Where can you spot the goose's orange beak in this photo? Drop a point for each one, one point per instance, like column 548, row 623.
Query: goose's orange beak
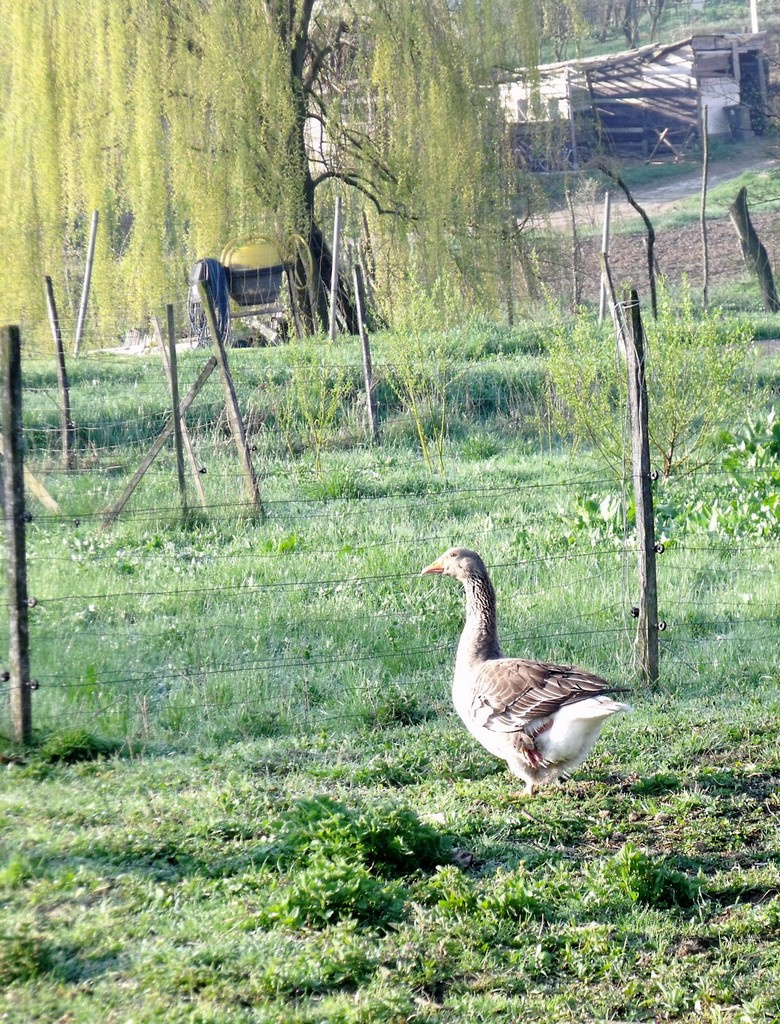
column 434, row 567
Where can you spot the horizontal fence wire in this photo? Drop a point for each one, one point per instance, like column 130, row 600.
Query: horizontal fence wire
column 321, row 614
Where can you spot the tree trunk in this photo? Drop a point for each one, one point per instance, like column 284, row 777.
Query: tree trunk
column 753, row 250
column 312, row 271
column 630, row 24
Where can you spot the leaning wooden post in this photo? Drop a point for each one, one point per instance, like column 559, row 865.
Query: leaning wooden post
column 157, row 447
column 177, row 431
column 334, row 270
column 754, row 250
column 233, row 411
column 66, row 424
column 647, row 627
column 85, row 289
column 15, row 559
column 368, row 373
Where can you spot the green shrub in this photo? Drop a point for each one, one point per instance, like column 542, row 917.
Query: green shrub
column 23, row 958
column 694, row 360
column 510, row 897
column 425, row 367
column 507, row 896
column 73, row 745
column 333, row 889
column 744, row 504
column 751, row 503
column 390, row 840
column 397, row 707
column 312, row 403
column 347, row 864
column 635, row 875
column 479, row 447
column 394, row 842
column 339, row 957
column 17, row 870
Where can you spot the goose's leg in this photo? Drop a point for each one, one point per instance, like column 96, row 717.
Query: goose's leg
column 519, row 766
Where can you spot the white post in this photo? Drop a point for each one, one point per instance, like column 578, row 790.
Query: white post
column 334, row 273
column 754, row 15
column 605, row 254
column 572, row 127
column 85, row 289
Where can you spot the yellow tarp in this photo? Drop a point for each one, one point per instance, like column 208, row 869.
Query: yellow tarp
column 257, row 254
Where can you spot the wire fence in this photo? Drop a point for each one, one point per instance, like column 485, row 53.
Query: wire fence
column 171, row 625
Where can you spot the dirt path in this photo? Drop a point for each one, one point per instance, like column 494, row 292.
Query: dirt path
column 657, row 198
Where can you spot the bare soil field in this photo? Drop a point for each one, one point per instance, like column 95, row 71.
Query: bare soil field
column 678, row 249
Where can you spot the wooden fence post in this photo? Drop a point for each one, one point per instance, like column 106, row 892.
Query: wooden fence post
column 16, row 562
column 705, row 166
column 87, row 279
column 647, row 626
column 334, row 271
column 368, row 373
column 233, row 411
column 66, row 424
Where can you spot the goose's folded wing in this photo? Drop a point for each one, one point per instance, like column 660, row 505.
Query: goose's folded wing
column 510, row 692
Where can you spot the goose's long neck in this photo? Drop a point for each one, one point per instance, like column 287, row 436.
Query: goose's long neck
column 479, row 639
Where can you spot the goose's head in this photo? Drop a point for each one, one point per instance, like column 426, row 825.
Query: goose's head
column 461, row 563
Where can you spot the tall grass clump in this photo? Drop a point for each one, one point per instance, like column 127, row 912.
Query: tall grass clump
column 695, row 378
column 310, row 408
column 424, row 367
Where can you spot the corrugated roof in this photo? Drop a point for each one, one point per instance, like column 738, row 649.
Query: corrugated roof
column 647, row 54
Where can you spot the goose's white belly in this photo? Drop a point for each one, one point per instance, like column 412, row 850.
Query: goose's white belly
column 575, row 729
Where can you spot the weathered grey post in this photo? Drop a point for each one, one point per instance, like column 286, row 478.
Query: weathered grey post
column 66, row 424
column 85, row 289
column 15, row 559
column 647, row 626
column 616, row 309
column 185, row 434
column 233, row 411
column 576, row 252
column 334, row 271
column 368, row 372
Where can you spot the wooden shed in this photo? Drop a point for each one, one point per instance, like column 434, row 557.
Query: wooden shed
column 639, row 102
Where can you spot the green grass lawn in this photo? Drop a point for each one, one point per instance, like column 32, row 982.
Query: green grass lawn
column 249, row 798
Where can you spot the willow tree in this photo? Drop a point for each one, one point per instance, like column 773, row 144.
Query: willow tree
column 194, row 122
